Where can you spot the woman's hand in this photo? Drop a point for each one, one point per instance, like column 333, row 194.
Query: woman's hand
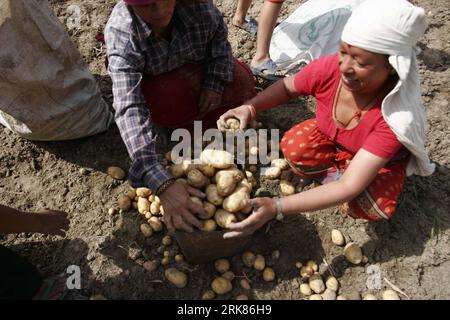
column 242, row 113
column 179, row 210
column 263, row 210
column 209, row 100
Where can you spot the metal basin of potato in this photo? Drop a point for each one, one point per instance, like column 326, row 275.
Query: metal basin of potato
column 202, row 247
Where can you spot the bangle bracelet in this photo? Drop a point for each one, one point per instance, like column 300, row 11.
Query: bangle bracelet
column 280, row 214
column 164, row 186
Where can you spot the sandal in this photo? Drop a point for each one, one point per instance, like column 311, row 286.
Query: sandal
column 268, row 71
column 53, row 288
column 250, row 26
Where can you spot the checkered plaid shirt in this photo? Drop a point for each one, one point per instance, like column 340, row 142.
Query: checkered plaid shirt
column 199, row 34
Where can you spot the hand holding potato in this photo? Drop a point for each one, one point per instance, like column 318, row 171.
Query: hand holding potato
column 242, row 113
column 179, row 209
column 263, row 210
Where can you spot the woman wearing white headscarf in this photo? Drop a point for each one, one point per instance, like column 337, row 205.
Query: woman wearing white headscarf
column 369, row 130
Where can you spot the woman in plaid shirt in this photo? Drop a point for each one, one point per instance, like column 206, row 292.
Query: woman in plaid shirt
column 170, row 63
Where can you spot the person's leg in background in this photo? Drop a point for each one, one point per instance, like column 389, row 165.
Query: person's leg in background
column 241, row 12
column 266, row 23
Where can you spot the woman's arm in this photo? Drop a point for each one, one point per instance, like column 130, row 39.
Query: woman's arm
column 360, row 173
column 279, row 93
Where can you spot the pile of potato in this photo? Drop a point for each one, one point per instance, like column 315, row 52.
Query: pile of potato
column 147, row 204
column 313, row 286
column 226, row 187
column 223, row 283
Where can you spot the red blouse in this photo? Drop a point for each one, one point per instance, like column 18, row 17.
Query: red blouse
column 321, row 78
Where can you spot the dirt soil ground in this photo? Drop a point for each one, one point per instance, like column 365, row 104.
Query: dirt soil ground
column 412, row 250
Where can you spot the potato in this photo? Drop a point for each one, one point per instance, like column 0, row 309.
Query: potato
column 271, row 172
column 222, row 265
column 315, row 297
column 116, row 173
column 168, row 156
column 313, row 265
column 248, row 258
column 213, row 195
column 210, row 209
column 298, row 264
column 221, row 285
column 260, row 262
column 179, row 258
column 196, row 200
column 155, row 223
column 244, row 284
column 208, row 225
column 131, row 193
column 178, row 170
column 208, row 295
column 228, row 275
column 316, row 283
column 369, row 297
column 112, row 211
column 165, row 261
column 146, row 230
column 226, row 181
column 224, row 218
column 143, row 192
column 268, row 274
column 332, row 284
column 150, row 265
column 219, row 159
column 233, row 124
column 155, row 207
column 244, row 184
column 280, row 163
column 97, row 297
column 166, row 241
column 337, row 238
column 124, row 202
column 242, row 297
column 207, row 170
column 286, row 188
column 178, row 278
column 306, row 271
column 148, row 215
column 329, row 295
column 390, row 295
column 341, row 297
column 353, row 253
column 196, row 179
column 143, row 205
column 305, row 289
column 237, row 200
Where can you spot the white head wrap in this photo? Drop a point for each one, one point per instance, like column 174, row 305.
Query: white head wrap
column 393, row 27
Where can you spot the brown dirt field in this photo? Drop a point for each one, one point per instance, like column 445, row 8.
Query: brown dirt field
column 412, row 250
